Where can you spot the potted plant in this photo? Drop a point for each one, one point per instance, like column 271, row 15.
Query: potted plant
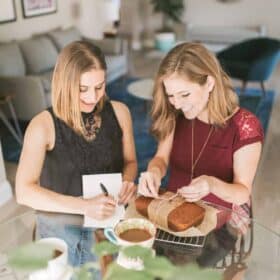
column 172, row 11
column 35, row 256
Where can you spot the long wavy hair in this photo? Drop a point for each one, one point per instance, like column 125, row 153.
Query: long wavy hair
column 74, row 60
column 195, row 63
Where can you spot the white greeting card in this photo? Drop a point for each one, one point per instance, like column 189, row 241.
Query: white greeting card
column 91, row 188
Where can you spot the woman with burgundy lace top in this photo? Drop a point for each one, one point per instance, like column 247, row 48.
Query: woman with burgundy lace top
column 211, row 144
column 83, row 133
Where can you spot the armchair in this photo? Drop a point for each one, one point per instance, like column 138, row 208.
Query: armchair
column 251, row 60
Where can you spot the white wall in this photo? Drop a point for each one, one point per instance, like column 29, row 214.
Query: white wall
column 203, row 12
column 24, row 28
column 91, row 22
column 90, row 16
column 96, row 16
column 239, row 13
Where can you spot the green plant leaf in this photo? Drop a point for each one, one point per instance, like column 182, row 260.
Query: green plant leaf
column 192, row 271
column 137, row 251
column 105, row 248
column 82, row 274
column 92, row 265
column 159, row 267
column 116, row 272
column 172, row 9
column 32, row 256
column 86, row 272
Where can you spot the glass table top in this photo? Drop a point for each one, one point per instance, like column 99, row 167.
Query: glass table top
column 253, row 256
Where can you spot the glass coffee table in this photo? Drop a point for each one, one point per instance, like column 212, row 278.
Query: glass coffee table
column 142, row 89
column 253, row 256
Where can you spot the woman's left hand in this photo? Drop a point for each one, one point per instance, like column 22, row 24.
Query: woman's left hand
column 127, row 193
column 197, row 189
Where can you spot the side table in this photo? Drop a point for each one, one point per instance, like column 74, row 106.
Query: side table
column 15, row 131
column 142, row 89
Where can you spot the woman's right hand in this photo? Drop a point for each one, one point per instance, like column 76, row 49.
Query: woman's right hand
column 100, row 207
column 149, row 183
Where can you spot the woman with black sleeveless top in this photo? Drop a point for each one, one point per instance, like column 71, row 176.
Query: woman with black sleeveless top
column 83, row 133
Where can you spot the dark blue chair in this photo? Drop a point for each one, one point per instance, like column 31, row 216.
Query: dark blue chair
column 251, row 61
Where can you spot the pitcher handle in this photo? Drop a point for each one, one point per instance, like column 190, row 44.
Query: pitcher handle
column 110, row 235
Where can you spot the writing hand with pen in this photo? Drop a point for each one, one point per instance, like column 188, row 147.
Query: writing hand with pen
column 101, row 206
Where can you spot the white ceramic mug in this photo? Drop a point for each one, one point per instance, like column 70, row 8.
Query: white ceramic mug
column 112, row 234
column 57, row 267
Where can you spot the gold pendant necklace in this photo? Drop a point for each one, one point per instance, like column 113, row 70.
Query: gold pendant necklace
column 193, row 164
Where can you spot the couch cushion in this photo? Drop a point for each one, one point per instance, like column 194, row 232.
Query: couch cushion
column 46, row 79
column 61, row 38
column 11, row 60
column 48, row 97
column 39, row 53
column 108, row 45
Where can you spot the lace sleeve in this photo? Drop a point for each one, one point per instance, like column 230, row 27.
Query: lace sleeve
column 249, row 129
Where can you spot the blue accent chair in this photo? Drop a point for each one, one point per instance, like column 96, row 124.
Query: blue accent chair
column 251, row 61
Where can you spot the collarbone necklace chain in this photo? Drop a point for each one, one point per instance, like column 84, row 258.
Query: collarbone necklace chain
column 194, row 163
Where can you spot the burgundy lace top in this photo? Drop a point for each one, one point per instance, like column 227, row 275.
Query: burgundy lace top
column 217, row 158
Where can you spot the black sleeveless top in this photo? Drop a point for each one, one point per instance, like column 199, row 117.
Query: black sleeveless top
column 73, row 156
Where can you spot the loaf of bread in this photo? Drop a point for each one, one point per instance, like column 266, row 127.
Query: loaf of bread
column 179, row 219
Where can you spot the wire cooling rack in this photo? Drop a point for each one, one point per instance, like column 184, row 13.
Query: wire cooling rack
column 165, row 237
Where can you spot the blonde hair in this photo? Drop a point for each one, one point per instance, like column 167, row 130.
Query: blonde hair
column 194, row 62
column 74, row 59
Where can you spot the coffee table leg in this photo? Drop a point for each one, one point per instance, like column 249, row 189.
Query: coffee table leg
column 14, row 116
column 10, row 127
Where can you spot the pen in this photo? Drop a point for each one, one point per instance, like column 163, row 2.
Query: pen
column 104, row 190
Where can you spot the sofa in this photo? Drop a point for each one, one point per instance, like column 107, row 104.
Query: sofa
column 26, row 67
column 223, row 34
column 217, row 38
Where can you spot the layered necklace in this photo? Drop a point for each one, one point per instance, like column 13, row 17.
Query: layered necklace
column 194, row 162
column 92, row 123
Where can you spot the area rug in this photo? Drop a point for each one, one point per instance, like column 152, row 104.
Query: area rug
column 145, row 143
